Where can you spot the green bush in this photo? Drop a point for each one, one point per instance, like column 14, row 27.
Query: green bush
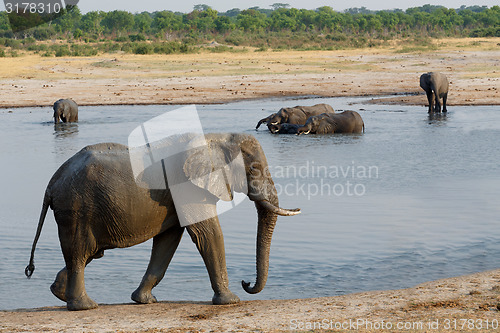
column 137, row 38
column 143, row 48
column 166, row 47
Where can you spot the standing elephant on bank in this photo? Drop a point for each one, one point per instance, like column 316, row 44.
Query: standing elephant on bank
column 100, row 203
column 345, row 122
column 66, row 110
column 295, row 115
column 435, row 86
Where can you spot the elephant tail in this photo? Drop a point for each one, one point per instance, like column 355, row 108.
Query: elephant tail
column 46, row 204
column 363, row 127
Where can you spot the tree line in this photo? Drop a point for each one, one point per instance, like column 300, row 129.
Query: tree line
column 279, row 27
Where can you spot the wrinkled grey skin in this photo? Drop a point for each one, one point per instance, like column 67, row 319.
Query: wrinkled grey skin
column 329, row 123
column 295, row 115
column 435, row 86
column 98, row 205
column 65, row 110
column 284, row 128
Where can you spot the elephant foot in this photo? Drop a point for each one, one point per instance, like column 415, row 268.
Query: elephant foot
column 225, row 298
column 143, row 297
column 58, row 288
column 81, row 303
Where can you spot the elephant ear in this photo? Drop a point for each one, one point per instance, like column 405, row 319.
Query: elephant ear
column 215, row 168
column 324, row 127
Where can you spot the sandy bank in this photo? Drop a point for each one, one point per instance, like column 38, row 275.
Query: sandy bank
column 467, row 303
column 472, row 66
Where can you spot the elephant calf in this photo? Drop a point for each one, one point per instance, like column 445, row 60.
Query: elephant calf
column 99, row 204
column 284, row 128
column 295, row 115
column 66, row 110
column 435, row 86
column 328, row 123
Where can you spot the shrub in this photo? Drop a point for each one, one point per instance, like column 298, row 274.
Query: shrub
column 137, row 38
column 143, row 48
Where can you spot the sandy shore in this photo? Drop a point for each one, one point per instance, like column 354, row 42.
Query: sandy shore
column 469, row 303
column 472, row 66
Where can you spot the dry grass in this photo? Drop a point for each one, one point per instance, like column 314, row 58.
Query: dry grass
column 207, row 77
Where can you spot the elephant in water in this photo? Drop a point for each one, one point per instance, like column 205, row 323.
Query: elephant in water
column 435, row 86
column 328, row 123
column 100, row 203
column 66, row 110
column 295, row 115
column 284, row 128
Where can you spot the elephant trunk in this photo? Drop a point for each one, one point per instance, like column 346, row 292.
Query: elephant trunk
column 265, row 229
column 268, row 211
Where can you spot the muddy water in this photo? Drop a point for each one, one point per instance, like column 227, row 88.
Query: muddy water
column 411, row 200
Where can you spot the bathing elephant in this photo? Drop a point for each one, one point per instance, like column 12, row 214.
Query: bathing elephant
column 66, row 110
column 435, row 86
column 295, row 115
column 284, row 128
column 100, row 203
column 328, row 123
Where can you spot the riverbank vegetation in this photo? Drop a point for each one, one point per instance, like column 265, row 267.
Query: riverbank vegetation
column 279, row 28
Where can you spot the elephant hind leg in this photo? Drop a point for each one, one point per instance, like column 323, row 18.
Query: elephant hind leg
column 164, row 247
column 445, row 97
column 60, row 284
column 77, row 255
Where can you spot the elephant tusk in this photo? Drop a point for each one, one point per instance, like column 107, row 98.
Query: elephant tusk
column 275, row 123
column 278, row 210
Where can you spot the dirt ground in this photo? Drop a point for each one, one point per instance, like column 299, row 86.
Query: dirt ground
column 468, row 303
column 472, row 66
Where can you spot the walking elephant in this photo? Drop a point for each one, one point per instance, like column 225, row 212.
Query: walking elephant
column 344, row 122
column 66, row 110
column 435, row 86
column 284, row 128
column 295, row 115
column 100, row 203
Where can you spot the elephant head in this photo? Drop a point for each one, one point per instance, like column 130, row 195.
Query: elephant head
column 311, row 126
column 282, row 116
column 236, row 162
column 264, row 120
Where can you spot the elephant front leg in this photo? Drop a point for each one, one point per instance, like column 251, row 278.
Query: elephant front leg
column 438, row 103
column 207, row 235
column 164, row 246
column 430, row 100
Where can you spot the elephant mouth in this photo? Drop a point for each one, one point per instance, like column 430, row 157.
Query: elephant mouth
column 278, row 210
